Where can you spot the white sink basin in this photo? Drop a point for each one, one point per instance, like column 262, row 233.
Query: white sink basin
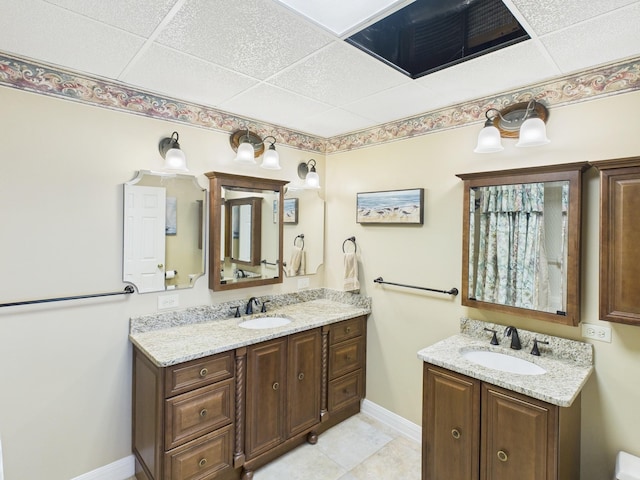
column 264, row 322
column 503, row 363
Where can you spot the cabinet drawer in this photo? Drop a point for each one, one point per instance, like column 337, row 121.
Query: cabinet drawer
column 192, row 414
column 203, row 458
column 345, row 357
column 345, row 390
column 197, row 373
column 347, row 329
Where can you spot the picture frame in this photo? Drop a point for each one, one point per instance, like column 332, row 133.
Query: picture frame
column 290, row 213
column 405, row 207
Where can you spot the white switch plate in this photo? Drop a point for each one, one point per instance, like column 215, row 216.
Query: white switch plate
column 168, row 301
column 596, row 332
column 303, row 283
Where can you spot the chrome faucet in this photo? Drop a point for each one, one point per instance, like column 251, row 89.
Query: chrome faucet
column 252, row 301
column 515, row 338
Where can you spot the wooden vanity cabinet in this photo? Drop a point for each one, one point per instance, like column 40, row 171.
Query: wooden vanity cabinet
column 183, row 418
column 474, row 430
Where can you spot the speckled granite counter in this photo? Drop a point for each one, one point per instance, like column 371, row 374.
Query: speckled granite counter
column 182, row 335
column 568, row 363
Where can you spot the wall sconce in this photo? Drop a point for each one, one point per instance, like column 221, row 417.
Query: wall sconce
column 525, row 120
column 307, row 172
column 174, row 158
column 249, row 146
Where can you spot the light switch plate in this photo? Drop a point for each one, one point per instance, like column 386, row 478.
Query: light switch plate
column 168, row 301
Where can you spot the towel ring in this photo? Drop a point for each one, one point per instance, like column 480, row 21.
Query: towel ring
column 301, row 237
column 350, row 239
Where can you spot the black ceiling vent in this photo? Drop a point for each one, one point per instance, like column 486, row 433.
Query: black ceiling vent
column 429, row 35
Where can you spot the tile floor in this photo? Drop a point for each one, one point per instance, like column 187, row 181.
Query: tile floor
column 357, row 449
column 360, row 448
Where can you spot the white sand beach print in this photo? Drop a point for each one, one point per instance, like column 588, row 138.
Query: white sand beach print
column 394, row 206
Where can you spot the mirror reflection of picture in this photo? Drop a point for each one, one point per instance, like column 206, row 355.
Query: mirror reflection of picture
column 291, row 210
column 171, row 225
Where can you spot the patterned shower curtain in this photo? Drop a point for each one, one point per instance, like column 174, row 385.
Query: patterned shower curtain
column 512, row 265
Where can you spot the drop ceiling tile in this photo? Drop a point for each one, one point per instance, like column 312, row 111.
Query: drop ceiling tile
column 512, row 67
column 140, row 17
column 609, row 38
column 334, row 122
column 274, row 105
column 60, row 37
column 255, row 37
column 182, row 76
column 395, row 103
column 339, row 74
column 549, row 15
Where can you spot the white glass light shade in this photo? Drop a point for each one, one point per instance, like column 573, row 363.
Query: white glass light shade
column 245, row 154
column 533, row 133
column 489, row 140
column 271, row 159
column 175, row 160
column 312, row 180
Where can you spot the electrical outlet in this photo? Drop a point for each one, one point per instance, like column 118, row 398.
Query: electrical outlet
column 596, row 332
column 168, row 301
column 303, row 283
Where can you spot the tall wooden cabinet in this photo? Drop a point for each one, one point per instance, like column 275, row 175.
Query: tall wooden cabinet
column 619, row 233
column 474, row 430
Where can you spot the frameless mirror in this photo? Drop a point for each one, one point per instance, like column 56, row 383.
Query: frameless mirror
column 163, row 231
column 245, row 230
column 521, row 241
column 303, row 232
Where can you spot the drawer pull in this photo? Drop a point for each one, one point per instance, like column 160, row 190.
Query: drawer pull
column 347, row 330
column 202, row 462
column 276, row 386
column 203, row 372
column 502, row 456
column 203, row 413
column 300, row 376
column 348, row 358
column 455, row 433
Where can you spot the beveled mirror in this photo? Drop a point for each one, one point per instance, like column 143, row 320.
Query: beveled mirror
column 245, row 227
column 163, row 231
column 521, row 241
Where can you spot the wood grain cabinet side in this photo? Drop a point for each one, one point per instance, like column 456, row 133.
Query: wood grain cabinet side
column 474, row 430
column 619, row 232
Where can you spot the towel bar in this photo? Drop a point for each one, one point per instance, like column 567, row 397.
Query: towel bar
column 127, row 291
column 453, row 291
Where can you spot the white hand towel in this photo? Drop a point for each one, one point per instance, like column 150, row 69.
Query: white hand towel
column 351, row 282
column 303, row 263
column 296, row 259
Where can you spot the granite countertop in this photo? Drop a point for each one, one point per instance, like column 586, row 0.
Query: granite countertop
column 186, row 341
column 568, row 363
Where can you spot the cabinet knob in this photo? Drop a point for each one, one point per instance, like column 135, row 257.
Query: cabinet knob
column 203, row 372
column 203, row 412
column 300, row 376
column 348, row 358
column 202, row 462
column 276, row 386
column 455, row 433
column 347, row 330
column 502, row 456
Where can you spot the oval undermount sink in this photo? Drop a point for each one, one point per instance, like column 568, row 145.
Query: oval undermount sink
column 503, row 363
column 264, row 322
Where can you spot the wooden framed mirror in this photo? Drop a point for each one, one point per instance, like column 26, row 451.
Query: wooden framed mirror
column 521, row 241
column 245, row 227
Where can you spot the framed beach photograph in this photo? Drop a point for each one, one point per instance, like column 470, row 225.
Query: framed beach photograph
column 290, row 210
column 393, row 207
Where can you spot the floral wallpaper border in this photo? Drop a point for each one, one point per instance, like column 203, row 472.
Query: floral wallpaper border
column 23, row 74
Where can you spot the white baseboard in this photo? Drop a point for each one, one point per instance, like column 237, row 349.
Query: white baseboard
column 395, row 421
column 118, row 470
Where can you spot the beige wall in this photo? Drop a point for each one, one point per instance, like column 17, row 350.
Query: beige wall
column 65, row 376
column 404, row 320
column 66, row 367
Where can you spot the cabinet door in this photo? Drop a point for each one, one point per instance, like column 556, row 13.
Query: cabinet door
column 518, row 437
column 303, row 385
column 451, row 425
column 266, row 377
